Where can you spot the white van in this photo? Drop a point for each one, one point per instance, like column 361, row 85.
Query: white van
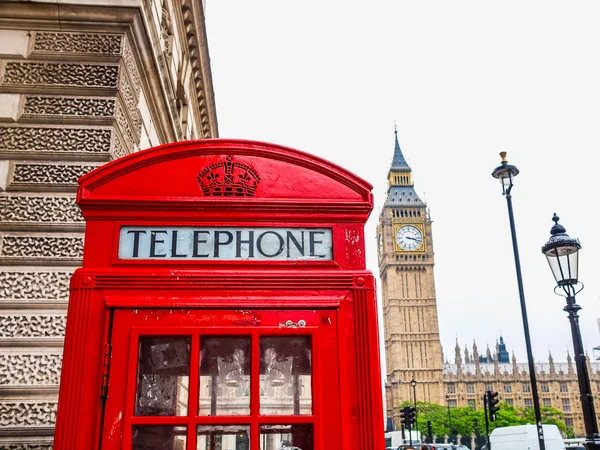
column 524, row 437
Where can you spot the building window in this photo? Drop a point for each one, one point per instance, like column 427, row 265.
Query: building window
column 507, row 388
column 566, row 404
column 564, row 387
column 452, row 403
column 472, row 404
column 489, row 387
column 547, row 402
column 545, row 387
column 451, row 388
column 509, row 401
column 526, row 387
column 528, row 403
column 568, row 422
column 470, row 388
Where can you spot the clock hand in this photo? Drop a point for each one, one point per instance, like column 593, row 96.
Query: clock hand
column 408, row 237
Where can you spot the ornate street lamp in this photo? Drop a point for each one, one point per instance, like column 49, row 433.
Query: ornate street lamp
column 562, row 253
column 506, row 173
column 413, row 384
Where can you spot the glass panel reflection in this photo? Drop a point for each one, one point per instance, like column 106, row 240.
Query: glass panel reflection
column 224, row 376
column 286, row 437
column 163, row 376
column 285, row 375
column 232, row 437
column 158, row 438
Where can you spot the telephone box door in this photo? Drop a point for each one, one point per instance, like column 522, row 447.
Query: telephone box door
column 223, row 380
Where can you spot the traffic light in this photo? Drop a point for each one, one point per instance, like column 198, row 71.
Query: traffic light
column 412, row 415
column 492, row 400
column 404, row 416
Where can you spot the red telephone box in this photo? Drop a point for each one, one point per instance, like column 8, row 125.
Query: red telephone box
column 223, row 304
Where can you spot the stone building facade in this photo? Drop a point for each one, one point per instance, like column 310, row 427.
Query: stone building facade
column 467, row 379
column 82, row 82
column 411, row 335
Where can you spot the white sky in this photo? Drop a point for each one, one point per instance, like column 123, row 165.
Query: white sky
column 464, row 80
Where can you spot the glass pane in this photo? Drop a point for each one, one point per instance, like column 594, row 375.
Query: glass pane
column 286, row 437
column 158, row 438
column 163, row 376
column 232, row 437
column 285, row 375
column 224, row 376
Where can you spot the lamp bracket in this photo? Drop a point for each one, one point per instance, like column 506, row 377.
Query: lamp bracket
column 569, row 290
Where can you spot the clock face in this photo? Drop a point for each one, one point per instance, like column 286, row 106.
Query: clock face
column 409, row 238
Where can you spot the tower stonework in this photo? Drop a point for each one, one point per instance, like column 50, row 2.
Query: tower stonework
column 406, row 259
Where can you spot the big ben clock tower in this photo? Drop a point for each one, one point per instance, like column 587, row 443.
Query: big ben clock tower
column 405, row 250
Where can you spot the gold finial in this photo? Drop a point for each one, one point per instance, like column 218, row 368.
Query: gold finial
column 503, row 156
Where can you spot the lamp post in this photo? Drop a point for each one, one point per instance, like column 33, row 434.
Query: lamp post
column 449, row 420
column 413, row 384
column 562, row 253
column 505, row 173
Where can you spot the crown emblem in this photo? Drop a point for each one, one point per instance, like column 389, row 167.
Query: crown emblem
column 228, row 179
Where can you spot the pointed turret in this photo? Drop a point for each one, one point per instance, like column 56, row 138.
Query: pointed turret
column 458, row 359
column 467, row 357
column 551, row 361
column 514, row 364
column 488, row 355
column 476, row 359
column 401, row 191
column 570, row 364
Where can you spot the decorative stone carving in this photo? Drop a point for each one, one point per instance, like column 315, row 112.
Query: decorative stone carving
column 42, row 247
column 119, row 150
column 42, row 139
column 32, row 326
column 48, row 42
column 49, row 173
column 130, row 63
column 129, row 94
column 35, row 286
column 69, row 106
column 61, row 74
column 40, row 209
column 41, row 369
column 132, row 138
column 18, row 414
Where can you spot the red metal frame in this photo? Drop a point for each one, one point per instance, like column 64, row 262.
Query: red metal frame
column 159, row 187
column 134, row 324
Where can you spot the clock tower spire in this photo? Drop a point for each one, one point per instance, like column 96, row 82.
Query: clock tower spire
column 406, row 260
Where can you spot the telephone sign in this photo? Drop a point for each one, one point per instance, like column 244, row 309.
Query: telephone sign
column 223, row 303
column 225, row 243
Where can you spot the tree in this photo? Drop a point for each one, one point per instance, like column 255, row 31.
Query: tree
column 465, row 420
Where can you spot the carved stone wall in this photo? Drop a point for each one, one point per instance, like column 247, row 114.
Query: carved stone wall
column 22, row 414
column 26, row 446
column 41, row 247
column 34, row 369
column 32, row 326
column 55, row 139
column 84, row 43
column 34, row 286
column 26, row 73
column 69, row 106
column 84, row 91
column 48, row 174
column 39, row 209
